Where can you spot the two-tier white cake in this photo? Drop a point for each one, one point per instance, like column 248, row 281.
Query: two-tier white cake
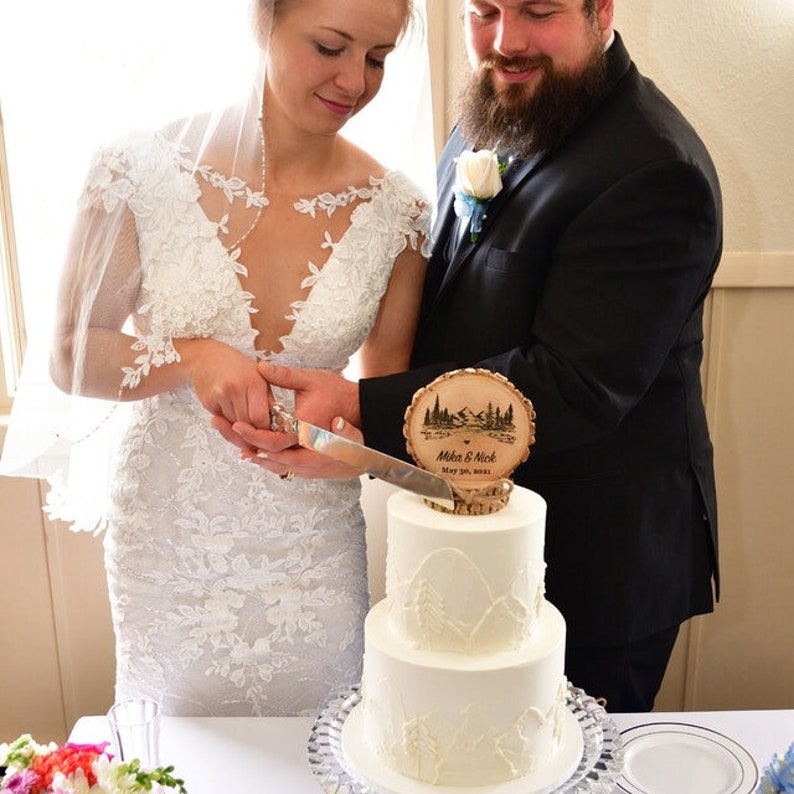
column 463, row 685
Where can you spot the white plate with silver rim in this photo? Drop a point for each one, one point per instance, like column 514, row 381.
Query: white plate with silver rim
column 678, row 758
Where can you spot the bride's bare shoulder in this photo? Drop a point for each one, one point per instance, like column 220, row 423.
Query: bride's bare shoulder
column 361, row 163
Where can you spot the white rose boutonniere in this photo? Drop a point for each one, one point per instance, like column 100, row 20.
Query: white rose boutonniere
column 478, row 178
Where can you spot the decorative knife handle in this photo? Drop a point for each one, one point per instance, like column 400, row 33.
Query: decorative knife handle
column 281, row 420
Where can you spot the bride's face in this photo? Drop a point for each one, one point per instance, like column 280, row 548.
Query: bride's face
column 327, row 57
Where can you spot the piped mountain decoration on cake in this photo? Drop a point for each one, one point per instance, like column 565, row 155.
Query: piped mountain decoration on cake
column 472, row 427
column 462, row 749
column 429, row 605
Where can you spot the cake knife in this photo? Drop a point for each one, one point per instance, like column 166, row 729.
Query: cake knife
column 365, row 459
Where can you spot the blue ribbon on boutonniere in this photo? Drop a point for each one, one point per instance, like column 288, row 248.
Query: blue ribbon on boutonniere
column 478, row 178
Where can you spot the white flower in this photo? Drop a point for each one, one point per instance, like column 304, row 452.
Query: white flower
column 478, row 180
column 478, row 174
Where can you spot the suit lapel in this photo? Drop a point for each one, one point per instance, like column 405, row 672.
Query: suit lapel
column 513, row 178
column 447, row 261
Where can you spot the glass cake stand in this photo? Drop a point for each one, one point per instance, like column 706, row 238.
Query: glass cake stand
column 597, row 773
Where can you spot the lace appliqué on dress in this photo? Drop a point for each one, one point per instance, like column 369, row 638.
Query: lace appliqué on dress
column 391, row 216
column 232, row 592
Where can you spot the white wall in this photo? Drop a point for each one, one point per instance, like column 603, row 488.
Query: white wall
column 729, row 66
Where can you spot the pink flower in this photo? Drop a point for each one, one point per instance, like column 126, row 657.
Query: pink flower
column 23, row 782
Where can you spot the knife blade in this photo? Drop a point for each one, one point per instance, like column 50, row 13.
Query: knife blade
column 365, row 459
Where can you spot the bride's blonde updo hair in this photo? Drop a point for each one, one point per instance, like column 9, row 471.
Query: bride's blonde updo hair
column 265, row 11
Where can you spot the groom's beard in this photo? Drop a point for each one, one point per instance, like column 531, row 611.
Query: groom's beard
column 521, row 125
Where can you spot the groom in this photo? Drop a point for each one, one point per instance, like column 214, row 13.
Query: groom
column 585, row 288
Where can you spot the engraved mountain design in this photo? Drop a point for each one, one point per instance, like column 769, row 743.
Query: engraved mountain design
column 494, row 420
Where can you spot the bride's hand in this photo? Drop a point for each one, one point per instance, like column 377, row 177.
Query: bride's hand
column 320, row 397
column 227, row 382
column 273, row 451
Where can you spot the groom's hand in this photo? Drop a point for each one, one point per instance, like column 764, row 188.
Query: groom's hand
column 320, row 395
column 322, row 398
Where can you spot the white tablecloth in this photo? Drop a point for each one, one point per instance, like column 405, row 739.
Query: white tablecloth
column 231, row 755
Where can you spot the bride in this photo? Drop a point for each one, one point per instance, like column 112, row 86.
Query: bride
column 253, row 233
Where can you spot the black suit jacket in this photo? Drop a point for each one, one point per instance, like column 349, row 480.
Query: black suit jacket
column 586, row 289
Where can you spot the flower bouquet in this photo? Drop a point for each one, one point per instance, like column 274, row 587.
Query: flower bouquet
column 27, row 767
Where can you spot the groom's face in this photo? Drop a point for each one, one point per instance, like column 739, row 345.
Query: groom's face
column 538, row 67
column 516, row 43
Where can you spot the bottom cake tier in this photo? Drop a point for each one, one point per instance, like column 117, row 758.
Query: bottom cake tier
column 455, row 720
column 373, row 777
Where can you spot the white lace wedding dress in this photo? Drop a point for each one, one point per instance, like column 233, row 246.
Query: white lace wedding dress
column 233, row 592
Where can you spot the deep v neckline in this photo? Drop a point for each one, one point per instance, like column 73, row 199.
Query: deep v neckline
column 190, row 285
column 325, row 203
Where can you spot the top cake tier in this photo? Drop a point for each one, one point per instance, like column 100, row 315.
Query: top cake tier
column 466, row 584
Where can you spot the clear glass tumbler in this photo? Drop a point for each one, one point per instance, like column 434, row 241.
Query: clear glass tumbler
column 135, row 726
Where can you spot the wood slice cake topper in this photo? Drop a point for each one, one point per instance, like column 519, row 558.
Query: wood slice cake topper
column 472, row 427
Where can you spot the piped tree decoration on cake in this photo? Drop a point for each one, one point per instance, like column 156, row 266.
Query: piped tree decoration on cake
column 430, row 609
column 420, row 745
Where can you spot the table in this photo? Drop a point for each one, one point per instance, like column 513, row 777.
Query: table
column 268, row 755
